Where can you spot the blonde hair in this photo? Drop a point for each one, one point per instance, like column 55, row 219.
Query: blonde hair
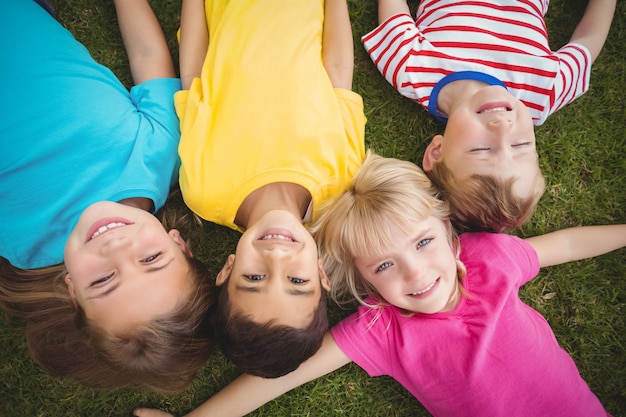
column 485, row 202
column 386, row 197
column 162, row 355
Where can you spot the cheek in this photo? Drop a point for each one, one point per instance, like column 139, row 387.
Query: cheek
column 81, row 268
column 385, row 288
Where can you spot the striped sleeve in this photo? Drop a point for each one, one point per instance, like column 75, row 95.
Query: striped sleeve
column 390, row 45
column 574, row 73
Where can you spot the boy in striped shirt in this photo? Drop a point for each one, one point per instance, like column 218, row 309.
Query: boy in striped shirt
column 486, row 69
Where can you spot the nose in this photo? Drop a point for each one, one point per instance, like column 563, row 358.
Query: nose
column 500, row 124
column 413, row 271
column 278, row 252
column 118, row 244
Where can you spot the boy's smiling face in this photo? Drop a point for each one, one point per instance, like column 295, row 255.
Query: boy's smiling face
column 490, row 133
column 275, row 273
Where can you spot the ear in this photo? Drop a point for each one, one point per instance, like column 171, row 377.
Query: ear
column 433, row 153
column 226, row 270
column 180, row 242
column 325, row 281
column 70, row 289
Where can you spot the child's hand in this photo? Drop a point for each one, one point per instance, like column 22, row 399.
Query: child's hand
column 150, row 412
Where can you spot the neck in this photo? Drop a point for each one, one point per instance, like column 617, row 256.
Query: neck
column 275, row 196
column 138, row 202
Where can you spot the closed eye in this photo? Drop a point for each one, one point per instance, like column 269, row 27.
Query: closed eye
column 521, row 144
column 486, row 148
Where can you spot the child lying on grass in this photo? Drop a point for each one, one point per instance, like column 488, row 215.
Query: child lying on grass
column 441, row 314
column 487, row 70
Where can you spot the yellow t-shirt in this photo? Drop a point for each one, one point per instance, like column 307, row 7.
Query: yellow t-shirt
column 264, row 110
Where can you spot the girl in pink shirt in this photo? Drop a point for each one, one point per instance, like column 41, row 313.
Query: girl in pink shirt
column 440, row 313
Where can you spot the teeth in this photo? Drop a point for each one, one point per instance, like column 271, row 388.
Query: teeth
column 105, row 228
column 494, row 110
column 266, row 237
column 425, row 289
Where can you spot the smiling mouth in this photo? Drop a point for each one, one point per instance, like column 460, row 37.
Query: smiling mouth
column 275, row 236
column 428, row 288
column 494, row 107
column 494, row 110
column 106, row 228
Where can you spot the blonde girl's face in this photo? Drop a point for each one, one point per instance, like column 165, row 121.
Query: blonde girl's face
column 419, row 272
column 123, row 267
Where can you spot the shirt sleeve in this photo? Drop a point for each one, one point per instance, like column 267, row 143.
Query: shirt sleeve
column 155, row 99
column 573, row 77
column 365, row 338
column 154, row 153
column 351, row 107
column 526, row 259
column 389, row 45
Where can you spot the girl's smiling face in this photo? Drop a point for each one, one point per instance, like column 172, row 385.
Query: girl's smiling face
column 123, row 267
column 419, row 272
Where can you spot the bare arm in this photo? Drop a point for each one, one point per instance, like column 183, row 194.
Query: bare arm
column 578, row 243
column 247, row 392
column 145, row 44
column 194, row 41
column 594, row 26
column 337, row 44
column 388, row 8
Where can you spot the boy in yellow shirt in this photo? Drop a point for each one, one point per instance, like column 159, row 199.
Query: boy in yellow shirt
column 270, row 130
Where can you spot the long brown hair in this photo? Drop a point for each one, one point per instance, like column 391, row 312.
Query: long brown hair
column 162, row 355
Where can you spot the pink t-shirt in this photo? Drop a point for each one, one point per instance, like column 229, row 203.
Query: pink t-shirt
column 491, row 356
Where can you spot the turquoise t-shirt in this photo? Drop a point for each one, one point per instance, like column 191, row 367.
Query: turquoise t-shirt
column 70, row 135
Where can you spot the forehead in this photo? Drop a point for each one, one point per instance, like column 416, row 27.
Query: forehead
column 376, row 241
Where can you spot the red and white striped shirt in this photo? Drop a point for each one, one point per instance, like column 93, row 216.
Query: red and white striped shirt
column 505, row 39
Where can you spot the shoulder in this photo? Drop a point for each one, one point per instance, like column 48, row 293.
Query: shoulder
column 492, row 246
column 498, row 251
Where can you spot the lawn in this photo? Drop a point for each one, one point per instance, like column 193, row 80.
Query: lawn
column 582, row 152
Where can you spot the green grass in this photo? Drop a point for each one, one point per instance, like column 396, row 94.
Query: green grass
column 582, row 153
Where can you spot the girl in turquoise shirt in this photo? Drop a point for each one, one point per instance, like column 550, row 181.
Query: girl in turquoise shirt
column 85, row 164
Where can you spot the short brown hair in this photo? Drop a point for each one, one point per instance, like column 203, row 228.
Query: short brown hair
column 485, row 202
column 265, row 349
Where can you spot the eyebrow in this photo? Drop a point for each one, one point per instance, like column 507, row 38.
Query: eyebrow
column 114, row 287
column 290, row 291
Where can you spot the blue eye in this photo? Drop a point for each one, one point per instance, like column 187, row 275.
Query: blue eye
column 254, row 277
column 383, row 266
column 423, row 242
